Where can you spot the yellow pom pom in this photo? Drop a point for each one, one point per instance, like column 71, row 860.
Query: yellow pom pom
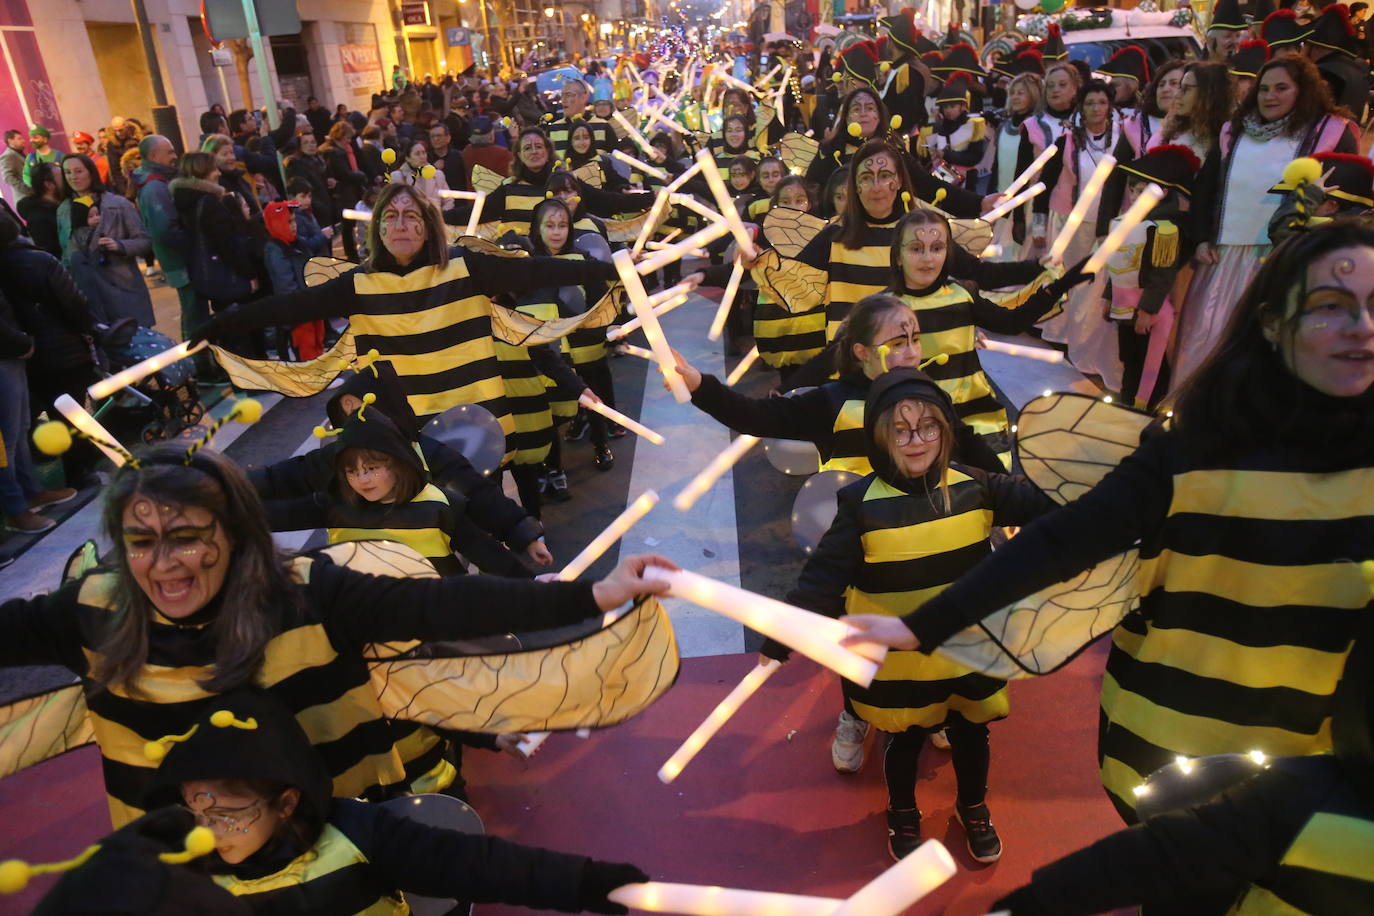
column 895, row 122
column 836, row 77
column 546, row 117
column 14, row 876
column 200, row 841
column 319, row 432
column 248, row 410
column 941, row 359
column 427, row 171
column 885, row 66
column 855, row 130
column 155, row 751
column 53, row 437
column 906, row 198
column 1302, row 171
column 370, row 398
column 389, row 156
column 222, row 718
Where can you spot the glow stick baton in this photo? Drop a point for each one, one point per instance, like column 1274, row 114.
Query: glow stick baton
column 665, row 241
column 732, row 80
column 682, row 179
column 634, row 134
column 723, row 310
column 653, row 332
column 676, row 251
column 782, row 87
column 708, row 475
column 738, row 372
column 77, row 416
column 724, row 203
column 362, row 216
column 637, row 351
column 1080, row 208
column 1152, row 195
column 718, row 717
column 764, row 81
column 532, row 742
column 1032, row 170
column 643, row 166
column 1007, row 206
column 691, row 203
column 660, row 309
column 139, row 371
column 1044, row 354
column 703, row 900
column 615, row 416
column 813, row 635
column 614, row 532
column 655, row 214
column 903, row 884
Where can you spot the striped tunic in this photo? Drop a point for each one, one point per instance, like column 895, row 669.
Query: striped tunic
column 513, row 203
column 852, row 273
column 424, row 524
column 560, row 130
column 947, row 326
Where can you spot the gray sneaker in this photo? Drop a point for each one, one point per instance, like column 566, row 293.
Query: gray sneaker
column 847, row 750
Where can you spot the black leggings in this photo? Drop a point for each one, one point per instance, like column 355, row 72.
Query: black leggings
column 527, row 478
column 968, row 745
column 597, row 375
column 1133, row 348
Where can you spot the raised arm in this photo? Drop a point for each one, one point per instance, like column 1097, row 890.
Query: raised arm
column 332, row 299
column 494, row 274
column 808, row 417
column 43, row 630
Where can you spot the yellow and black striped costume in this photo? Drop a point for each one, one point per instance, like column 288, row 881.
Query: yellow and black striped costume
column 560, row 130
column 852, row 273
column 425, row 524
column 513, row 205
column 783, row 339
column 532, row 437
column 724, row 157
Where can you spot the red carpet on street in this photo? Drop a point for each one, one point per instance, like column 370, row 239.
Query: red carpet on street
column 759, row 808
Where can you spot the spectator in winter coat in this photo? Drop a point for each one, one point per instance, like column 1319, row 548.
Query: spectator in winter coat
column 482, row 149
column 232, row 176
column 341, row 166
column 317, row 241
column 447, row 158
column 303, row 161
column 285, row 257
column 39, row 209
column 12, row 164
column 319, row 118
column 122, row 136
column 214, row 218
column 370, row 153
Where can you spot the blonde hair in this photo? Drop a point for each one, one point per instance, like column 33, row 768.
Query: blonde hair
column 885, row 432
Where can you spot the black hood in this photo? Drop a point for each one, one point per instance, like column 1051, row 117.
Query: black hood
column 274, row 748
column 380, row 379
column 887, row 389
column 372, row 429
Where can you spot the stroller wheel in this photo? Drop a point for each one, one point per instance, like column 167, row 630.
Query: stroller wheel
column 154, row 431
column 191, row 413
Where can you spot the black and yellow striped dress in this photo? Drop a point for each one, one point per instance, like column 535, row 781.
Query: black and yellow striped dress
column 852, row 273
column 513, row 203
column 724, row 156
column 560, row 130
column 531, row 440
column 424, row 524
column 783, row 339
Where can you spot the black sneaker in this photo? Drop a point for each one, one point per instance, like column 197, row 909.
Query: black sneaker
column 577, row 428
column 604, row 459
column 903, row 832
column 558, row 486
column 983, row 842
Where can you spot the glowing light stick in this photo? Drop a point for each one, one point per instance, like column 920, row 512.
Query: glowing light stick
column 614, row 532
column 77, row 416
column 718, row 717
column 655, row 214
column 634, row 134
column 732, row 80
column 640, row 164
column 778, row 96
column 1032, row 170
column 903, row 884
column 1007, row 206
column 634, row 324
column 1080, row 208
column 703, row 900
column 676, row 251
column 615, row 416
column 813, row 635
column 723, row 310
column 637, row 351
column 764, row 81
column 1044, row 354
column 532, row 742
column 737, row 373
column 682, row 179
column 1152, row 195
column 139, row 371
column 726, row 205
column 362, row 216
column 713, row 471
column 479, row 201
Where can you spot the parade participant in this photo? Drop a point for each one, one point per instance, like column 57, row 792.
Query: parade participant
column 576, row 94
column 1283, row 32
column 1061, row 84
column 950, row 315
column 40, row 138
column 565, row 186
column 1328, row 186
column 1201, row 109
column 1225, row 30
column 956, row 139
column 1025, row 102
column 248, row 772
column 1287, row 115
column 583, row 153
column 743, row 176
column 1156, row 102
column 197, row 600
column 1245, row 66
column 1337, row 52
column 102, row 239
column 416, row 171
column 732, row 143
column 441, row 341
column 835, row 195
column 784, row 340
column 1096, row 132
column 908, row 78
column 771, row 171
column 1236, row 647
column 861, row 567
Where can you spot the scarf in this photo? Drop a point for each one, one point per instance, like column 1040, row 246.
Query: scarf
column 1256, row 129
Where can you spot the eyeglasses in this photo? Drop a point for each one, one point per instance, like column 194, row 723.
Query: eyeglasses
column 371, row 470
column 228, row 820
column 871, row 179
column 928, row 430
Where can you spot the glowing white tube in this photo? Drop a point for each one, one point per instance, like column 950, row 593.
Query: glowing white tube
column 732, row 80
column 813, row 635
column 615, row 416
column 139, row 371
column 614, row 532
column 1080, row 208
column 662, row 303
column 77, row 416
column 532, row 742
column 704, row 900
column 362, row 216
column 778, row 96
column 478, row 204
column 1007, row 206
column 723, row 310
column 708, row 475
column 1146, row 202
column 653, row 332
column 742, row 367
column 640, row 164
column 637, row 351
column 724, row 203
column 1044, row 354
column 665, row 241
column 759, row 84
column 634, row 134
column 655, row 214
column 676, row 251
column 903, row 884
column 1032, row 170
column 714, row 722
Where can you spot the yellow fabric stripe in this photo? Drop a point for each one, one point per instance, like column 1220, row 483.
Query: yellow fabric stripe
column 331, row 852
column 377, row 769
column 415, row 745
column 1336, row 844
column 851, row 416
column 891, row 604
column 332, row 720
column 927, row 539
column 1260, row 901
column 1258, row 667
column 993, row 421
column 1275, row 495
column 418, row 280
column 846, row 291
column 422, row 321
column 427, row 542
column 1335, row 585
column 773, row 328
column 1197, row 736
column 858, row 464
column 120, row 813
column 120, row 743
column 586, row 353
column 294, row 651
column 899, row 720
column 1120, row 779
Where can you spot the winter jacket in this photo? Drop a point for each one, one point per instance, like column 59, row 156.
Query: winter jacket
column 40, row 223
column 151, row 182
column 312, row 169
column 47, row 305
column 111, row 280
column 14, row 343
column 218, row 225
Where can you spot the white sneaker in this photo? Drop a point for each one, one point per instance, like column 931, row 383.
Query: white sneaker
column 847, row 751
column 939, row 740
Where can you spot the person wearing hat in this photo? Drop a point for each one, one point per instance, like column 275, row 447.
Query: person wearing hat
column 1225, row 30
column 483, row 150
column 1053, row 47
column 282, row 843
column 957, row 139
column 43, row 151
column 1282, row 30
column 908, row 79
column 1335, row 48
column 1129, row 71
column 860, row 566
column 1245, row 64
column 1321, row 188
column 1156, row 103
column 84, row 144
column 1141, row 272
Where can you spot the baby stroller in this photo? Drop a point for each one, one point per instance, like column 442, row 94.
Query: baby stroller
column 164, row 403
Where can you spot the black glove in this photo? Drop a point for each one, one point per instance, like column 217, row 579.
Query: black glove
column 219, row 324
column 775, row 650
column 1021, row 902
column 599, row 879
column 1072, row 277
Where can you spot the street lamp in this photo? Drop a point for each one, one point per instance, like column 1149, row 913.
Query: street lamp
column 548, row 11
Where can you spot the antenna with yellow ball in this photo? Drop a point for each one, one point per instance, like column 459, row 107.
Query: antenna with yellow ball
column 939, row 359
column 15, row 874
column 244, row 410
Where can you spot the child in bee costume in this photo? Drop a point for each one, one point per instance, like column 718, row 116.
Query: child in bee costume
column 1142, row 271
column 283, row 845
